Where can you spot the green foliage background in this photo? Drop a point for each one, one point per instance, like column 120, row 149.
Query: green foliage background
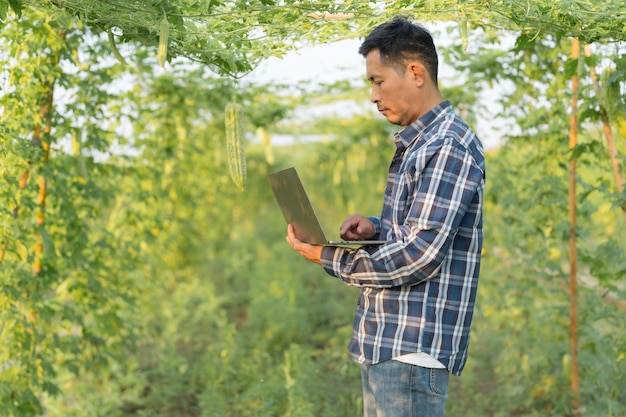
column 165, row 291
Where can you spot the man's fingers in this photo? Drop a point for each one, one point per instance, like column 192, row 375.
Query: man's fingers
column 310, row 252
column 291, row 237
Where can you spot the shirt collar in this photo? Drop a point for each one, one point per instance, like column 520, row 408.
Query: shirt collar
column 405, row 137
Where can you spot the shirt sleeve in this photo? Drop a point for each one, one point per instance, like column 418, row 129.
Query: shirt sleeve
column 376, row 222
column 427, row 208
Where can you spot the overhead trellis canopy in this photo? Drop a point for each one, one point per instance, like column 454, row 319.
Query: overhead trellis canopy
column 589, row 21
column 232, row 36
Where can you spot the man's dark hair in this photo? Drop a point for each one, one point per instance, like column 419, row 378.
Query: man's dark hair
column 399, row 41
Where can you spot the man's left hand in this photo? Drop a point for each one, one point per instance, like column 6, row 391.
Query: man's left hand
column 311, row 252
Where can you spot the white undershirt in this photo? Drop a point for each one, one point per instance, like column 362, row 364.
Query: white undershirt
column 420, row 359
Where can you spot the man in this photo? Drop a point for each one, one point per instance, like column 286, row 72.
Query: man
column 417, row 291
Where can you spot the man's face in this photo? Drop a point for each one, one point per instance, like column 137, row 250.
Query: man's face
column 396, row 95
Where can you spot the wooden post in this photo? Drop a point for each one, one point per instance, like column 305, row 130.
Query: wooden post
column 573, row 136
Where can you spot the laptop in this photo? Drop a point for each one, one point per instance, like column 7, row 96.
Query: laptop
column 298, row 210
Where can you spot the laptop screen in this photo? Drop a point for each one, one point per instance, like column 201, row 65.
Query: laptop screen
column 296, row 206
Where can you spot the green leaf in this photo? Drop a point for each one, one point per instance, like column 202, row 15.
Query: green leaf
column 4, row 7
column 583, row 148
column 17, row 6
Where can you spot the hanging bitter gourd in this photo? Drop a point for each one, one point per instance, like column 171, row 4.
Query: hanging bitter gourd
column 464, row 37
column 612, row 100
column 164, row 30
column 266, row 139
column 235, row 143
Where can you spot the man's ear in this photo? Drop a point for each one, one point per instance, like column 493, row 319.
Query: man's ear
column 417, row 72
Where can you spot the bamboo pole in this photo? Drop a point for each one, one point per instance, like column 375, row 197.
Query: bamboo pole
column 44, row 141
column 573, row 138
column 41, row 195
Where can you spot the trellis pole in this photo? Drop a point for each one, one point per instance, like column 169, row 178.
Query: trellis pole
column 573, row 137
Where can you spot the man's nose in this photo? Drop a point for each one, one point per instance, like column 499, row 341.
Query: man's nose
column 375, row 97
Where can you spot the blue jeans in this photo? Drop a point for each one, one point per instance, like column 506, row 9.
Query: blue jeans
column 397, row 389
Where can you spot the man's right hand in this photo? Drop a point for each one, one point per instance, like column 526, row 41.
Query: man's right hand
column 357, row 227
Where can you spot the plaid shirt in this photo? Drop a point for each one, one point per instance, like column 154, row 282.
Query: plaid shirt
column 417, row 291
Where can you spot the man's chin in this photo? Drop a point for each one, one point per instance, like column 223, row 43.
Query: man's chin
column 394, row 121
column 392, row 118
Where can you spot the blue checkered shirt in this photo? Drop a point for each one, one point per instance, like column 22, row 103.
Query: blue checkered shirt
column 417, row 291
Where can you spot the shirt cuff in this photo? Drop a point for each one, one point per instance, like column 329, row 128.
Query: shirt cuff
column 376, row 221
column 328, row 258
